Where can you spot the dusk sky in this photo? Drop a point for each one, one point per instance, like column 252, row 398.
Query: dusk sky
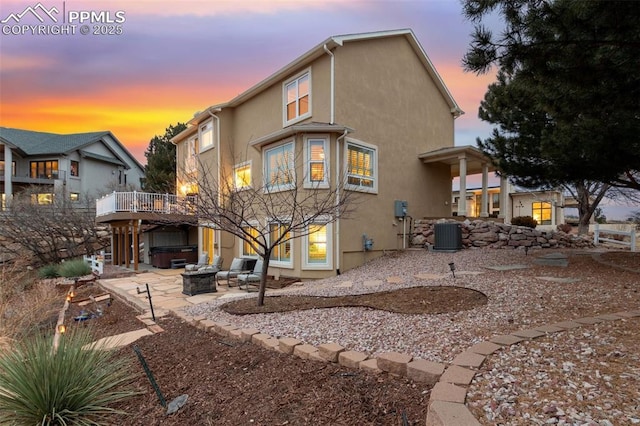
column 175, row 58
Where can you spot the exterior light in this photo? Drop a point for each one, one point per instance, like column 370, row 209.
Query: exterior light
column 61, row 328
column 452, row 266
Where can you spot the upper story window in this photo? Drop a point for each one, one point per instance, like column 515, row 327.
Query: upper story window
column 191, row 155
column 75, row 168
column 279, row 168
column 206, row 136
column 297, row 98
column 316, row 166
column 362, row 169
column 13, row 168
column 242, row 175
column 44, row 169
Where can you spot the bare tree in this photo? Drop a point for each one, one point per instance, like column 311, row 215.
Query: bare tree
column 269, row 212
column 49, row 226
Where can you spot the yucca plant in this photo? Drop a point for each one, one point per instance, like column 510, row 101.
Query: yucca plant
column 75, row 385
column 74, row 268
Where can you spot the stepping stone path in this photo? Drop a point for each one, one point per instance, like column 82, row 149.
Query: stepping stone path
column 553, row 259
column 507, row 267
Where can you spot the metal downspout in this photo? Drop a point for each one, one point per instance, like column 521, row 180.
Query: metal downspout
column 333, row 88
column 218, row 231
column 338, row 183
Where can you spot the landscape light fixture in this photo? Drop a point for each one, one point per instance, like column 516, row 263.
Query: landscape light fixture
column 452, row 266
column 526, row 250
column 61, row 328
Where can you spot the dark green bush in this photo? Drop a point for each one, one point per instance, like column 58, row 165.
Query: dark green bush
column 527, row 221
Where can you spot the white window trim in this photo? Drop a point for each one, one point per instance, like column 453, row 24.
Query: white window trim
column 299, row 118
column 265, row 175
column 306, row 265
column 200, row 138
column 239, row 166
column 307, row 170
column 375, row 178
column 279, row 263
column 241, row 241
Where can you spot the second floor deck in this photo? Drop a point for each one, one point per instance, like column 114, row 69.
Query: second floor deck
column 144, row 205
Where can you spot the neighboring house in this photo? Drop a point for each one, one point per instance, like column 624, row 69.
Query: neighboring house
column 544, row 206
column 81, row 163
column 370, row 106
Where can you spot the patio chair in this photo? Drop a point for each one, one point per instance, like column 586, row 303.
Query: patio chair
column 236, row 267
column 202, row 261
column 251, row 278
column 215, row 266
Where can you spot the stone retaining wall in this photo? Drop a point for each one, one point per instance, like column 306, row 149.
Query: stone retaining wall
column 480, row 233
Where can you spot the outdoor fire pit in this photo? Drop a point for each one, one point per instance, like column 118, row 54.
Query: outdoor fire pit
column 197, row 282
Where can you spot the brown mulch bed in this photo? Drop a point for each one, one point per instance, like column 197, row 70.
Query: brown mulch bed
column 416, row 300
column 624, row 259
column 231, row 383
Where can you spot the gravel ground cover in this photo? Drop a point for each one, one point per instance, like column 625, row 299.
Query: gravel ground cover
column 517, row 299
column 587, row 376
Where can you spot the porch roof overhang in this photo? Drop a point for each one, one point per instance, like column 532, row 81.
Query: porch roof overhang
column 451, row 156
column 298, row 128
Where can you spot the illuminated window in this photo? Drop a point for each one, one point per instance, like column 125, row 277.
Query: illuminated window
column 279, row 167
column 247, row 250
column 75, row 168
column 297, row 94
column 13, row 168
column 317, row 247
column 242, row 176
column 281, row 252
column 541, row 212
column 316, row 163
column 42, row 199
column 44, row 169
column 208, row 241
column 206, row 136
column 361, row 167
column 74, row 197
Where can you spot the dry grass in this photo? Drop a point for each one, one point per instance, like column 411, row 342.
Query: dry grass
column 26, row 304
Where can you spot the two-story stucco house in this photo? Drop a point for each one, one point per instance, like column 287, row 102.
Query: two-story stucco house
column 370, row 107
column 75, row 164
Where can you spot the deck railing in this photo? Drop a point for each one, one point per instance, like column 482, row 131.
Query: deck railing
column 144, row 202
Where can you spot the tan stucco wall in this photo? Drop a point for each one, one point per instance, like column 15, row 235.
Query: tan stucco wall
column 384, row 92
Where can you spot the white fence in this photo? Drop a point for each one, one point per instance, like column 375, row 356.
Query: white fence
column 144, row 202
column 631, row 235
column 96, row 262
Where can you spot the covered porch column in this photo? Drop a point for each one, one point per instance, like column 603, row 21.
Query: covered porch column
column 8, row 187
column 505, row 200
column 462, row 201
column 484, row 208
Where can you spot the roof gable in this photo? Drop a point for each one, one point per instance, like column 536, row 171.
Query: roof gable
column 41, row 143
column 332, row 43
